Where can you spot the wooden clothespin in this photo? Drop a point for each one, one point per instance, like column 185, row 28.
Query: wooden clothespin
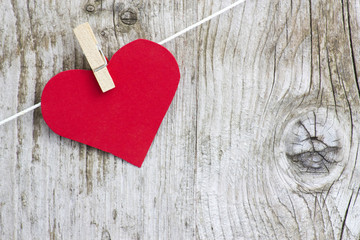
column 94, row 55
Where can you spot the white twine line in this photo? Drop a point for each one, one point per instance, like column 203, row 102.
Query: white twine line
column 201, row 22
column 20, row 113
column 161, row 43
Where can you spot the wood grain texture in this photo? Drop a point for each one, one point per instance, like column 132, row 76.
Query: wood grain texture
column 260, row 142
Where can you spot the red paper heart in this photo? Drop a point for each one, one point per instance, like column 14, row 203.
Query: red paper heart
column 124, row 120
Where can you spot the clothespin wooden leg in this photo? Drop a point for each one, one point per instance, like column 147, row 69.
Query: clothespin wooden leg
column 94, row 55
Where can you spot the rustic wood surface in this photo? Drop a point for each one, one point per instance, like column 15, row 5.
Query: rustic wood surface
column 260, row 142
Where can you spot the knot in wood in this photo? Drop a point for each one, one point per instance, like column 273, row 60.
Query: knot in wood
column 90, row 8
column 313, row 149
column 128, row 17
column 105, row 235
column 104, row 33
column 312, row 143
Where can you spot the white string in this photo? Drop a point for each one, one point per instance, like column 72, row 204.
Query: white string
column 201, row 22
column 161, row 43
column 20, row 113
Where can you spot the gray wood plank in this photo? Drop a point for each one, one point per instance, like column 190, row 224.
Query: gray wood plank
column 260, row 142
column 59, row 189
column 270, row 72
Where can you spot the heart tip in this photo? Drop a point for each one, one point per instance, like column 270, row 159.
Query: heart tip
column 134, row 163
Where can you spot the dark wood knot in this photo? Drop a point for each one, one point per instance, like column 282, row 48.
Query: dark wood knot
column 313, row 149
column 129, row 17
column 90, row 8
column 312, row 143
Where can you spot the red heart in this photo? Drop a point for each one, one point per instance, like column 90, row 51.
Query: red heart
column 124, row 120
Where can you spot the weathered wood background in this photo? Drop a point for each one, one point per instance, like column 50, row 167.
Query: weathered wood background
column 260, row 142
